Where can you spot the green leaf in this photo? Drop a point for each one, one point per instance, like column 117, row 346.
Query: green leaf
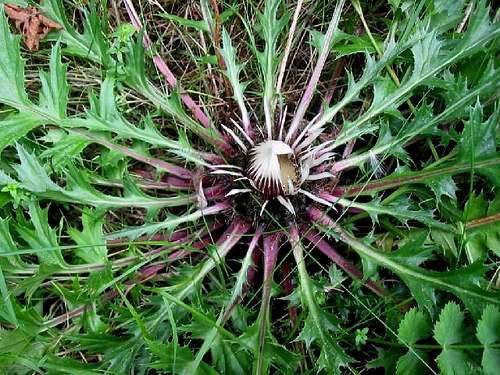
column 479, row 140
column 55, row 89
column 233, row 70
column 41, row 237
column 488, row 333
column 317, row 324
column 91, row 242
column 12, row 91
column 197, row 25
column 413, row 362
column 8, row 247
column 33, row 177
column 65, row 149
column 449, row 330
column 92, row 43
column 270, row 27
column 16, row 126
column 415, row 326
column 7, row 301
column 483, row 231
column 463, row 282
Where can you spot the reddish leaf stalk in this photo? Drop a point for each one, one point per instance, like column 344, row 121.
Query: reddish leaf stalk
column 333, row 199
column 483, row 221
column 233, row 233
column 412, row 178
column 319, row 216
column 173, row 169
column 313, row 81
column 164, row 69
column 271, row 248
column 343, row 263
column 256, row 255
column 252, row 248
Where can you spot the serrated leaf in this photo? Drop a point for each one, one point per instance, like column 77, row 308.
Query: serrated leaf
column 16, row 126
column 479, row 141
column 449, row 330
column 33, row 177
column 91, row 44
column 41, row 237
column 92, row 245
column 488, row 333
column 12, row 89
column 233, row 70
column 415, row 326
column 463, row 282
column 317, row 324
column 485, row 234
column 443, row 186
column 415, row 251
column 8, row 246
column 270, row 26
column 55, row 89
column 413, row 362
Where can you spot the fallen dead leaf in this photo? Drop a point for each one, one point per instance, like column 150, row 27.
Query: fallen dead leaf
column 33, row 25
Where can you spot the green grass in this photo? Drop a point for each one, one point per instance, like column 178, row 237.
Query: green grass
column 120, row 252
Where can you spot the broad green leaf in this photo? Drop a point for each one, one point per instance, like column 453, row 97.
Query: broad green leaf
column 449, row 330
column 16, row 126
column 415, row 326
column 488, row 333
column 12, row 91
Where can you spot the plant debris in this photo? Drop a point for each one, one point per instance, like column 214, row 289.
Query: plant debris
column 32, row 24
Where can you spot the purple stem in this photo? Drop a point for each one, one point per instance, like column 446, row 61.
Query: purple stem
column 313, row 82
column 271, row 248
column 256, row 255
column 164, row 69
column 144, row 273
column 343, row 263
column 333, row 198
column 233, row 233
column 158, row 163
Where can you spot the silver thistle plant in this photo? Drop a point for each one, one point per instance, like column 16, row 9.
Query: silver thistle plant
column 269, row 178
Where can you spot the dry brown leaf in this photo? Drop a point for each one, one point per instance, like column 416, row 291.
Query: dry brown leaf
column 33, row 25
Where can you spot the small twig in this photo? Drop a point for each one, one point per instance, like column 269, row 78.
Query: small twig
column 291, row 33
column 468, row 11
